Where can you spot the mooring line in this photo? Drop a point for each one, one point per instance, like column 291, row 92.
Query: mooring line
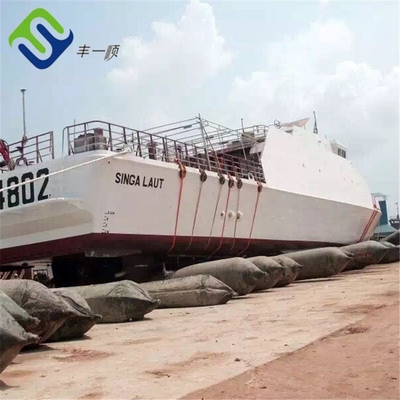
column 203, row 178
column 239, row 185
column 221, row 181
column 231, row 183
column 259, row 190
column 182, row 174
column 63, row 170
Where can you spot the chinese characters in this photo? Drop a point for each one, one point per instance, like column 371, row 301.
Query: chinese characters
column 112, row 51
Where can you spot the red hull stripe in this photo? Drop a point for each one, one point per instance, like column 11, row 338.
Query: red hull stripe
column 372, row 218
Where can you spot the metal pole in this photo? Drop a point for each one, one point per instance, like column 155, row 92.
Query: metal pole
column 23, row 110
column 315, row 124
column 204, row 135
column 241, row 141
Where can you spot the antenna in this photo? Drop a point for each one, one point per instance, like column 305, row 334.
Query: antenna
column 24, row 137
column 315, row 124
column 23, row 111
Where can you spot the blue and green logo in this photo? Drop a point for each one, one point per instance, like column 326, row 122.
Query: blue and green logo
column 24, row 31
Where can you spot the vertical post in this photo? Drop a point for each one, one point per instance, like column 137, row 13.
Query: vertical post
column 151, row 150
column 165, row 148
column 203, row 135
column 52, row 145
column 70, row 148
column 110, row 137
column 37, row 150
column 241, row 141
column 139, row 144
column 186, row 150
column 85, row 130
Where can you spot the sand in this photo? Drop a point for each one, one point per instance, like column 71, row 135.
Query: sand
column 360, row 361
column 173, row 353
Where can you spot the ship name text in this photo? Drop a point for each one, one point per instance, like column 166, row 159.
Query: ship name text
column 136, row 180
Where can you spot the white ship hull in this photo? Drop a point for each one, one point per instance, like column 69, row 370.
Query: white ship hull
column 130, row 205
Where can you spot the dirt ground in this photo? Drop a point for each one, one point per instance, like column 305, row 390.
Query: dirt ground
column 360, row 361
column 264, row 345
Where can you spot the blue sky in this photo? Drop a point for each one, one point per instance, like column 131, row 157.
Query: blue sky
column 253, row 60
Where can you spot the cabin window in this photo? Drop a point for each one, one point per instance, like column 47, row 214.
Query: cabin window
column 341, row 153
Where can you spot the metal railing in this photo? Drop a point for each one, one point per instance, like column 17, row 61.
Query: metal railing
column 32, row 150
column 196, row 143
column 201, row 132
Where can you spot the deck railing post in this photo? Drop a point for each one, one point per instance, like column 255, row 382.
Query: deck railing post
column 124, row 133
column 151, row 149
column 165, row 148
column 110, row 137
column 68, row 144
column 52, row 144
column 186, row 150
column 85, row 135
column 139, row 144
column 37, row 149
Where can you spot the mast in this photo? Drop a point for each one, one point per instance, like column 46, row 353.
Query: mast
column 23, row 113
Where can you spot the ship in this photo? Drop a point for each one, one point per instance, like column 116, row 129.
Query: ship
column 385, row 225
column 193, row 189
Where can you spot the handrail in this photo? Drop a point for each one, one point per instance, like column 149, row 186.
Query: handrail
column 186, row 144
column 34, row 149
column 195, row 142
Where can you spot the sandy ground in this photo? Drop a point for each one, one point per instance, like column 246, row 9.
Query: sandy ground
column 360, row 361
column 173, row 353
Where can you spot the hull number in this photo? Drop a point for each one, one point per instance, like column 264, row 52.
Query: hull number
column 24, row 194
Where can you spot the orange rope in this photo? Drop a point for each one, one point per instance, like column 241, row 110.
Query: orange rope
column 221, row 181
column 236, row 221
column 182, row 174
column 217, row 160
column 259, row 189
column 215, row 214
column 230, row 185
column 203, row 178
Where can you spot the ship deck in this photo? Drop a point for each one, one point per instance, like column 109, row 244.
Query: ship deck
column 174, row 352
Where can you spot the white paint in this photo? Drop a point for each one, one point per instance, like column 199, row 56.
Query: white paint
column 310, row 194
